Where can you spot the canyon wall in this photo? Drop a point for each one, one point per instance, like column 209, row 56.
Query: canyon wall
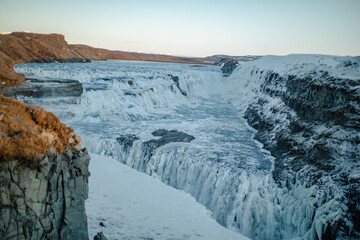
column 310, row 120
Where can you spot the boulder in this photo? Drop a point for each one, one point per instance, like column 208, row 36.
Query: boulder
column 100, row 236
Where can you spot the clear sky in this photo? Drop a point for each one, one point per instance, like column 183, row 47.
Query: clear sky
column 194, row 27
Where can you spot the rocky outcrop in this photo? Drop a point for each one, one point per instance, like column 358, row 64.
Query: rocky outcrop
column 46, row 201
column 29, row 133
column 100, row 236
column 167, row 136
column 127, row 141
column 22, row 47
column 177, row 84
column 228, row 68
column 46, row 88
column 43, row 175
column 43, row 169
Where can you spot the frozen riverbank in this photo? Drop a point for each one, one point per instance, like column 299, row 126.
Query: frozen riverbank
column 133, row 205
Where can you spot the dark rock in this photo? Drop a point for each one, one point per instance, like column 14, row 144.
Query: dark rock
column 128, row 93
column 167, row 137
column 229, row 68
column 46, row 88
column 102, row 224
column 176, row 81
column 65, row 60
column 127, row 141
column 100, row 236
column 47, row 202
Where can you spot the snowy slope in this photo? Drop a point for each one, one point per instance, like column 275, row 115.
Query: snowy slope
column 133, row 205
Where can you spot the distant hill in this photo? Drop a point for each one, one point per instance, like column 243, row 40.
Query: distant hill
column 24, row 47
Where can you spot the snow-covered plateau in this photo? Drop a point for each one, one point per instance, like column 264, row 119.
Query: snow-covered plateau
column 272, row 150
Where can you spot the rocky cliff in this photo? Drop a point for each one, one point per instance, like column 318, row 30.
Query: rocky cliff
column 43, row 175
column 46, row 201
column 21, row 47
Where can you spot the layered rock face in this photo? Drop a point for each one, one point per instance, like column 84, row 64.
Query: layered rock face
column 43, row 175
column 46, row 202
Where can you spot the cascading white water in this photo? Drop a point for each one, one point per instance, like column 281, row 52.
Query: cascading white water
column 224, row 168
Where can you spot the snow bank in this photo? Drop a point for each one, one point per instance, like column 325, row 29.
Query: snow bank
column 133, row 205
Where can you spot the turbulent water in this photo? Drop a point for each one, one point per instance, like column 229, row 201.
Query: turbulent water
column 224, row 168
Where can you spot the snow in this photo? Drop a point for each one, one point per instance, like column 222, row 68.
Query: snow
column 133, row 205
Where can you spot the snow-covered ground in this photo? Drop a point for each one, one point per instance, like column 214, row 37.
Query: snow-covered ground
column 133, row 205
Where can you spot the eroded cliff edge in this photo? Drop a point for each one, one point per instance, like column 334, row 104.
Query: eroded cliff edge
column 43, row 175
column 23, row 47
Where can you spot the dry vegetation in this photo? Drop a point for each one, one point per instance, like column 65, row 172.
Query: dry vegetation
column 28, row 133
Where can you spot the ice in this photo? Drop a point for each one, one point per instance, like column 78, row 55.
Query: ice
column 133, row 205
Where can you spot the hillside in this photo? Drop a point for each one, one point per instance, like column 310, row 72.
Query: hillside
column 23, row 47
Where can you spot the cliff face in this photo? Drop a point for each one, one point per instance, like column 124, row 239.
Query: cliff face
column 43, row 175
column 46, row 202
column 21, row 47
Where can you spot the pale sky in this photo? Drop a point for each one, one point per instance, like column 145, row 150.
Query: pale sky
column 194, row 27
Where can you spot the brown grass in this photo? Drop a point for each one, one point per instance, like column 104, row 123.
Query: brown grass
column 28, row 133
